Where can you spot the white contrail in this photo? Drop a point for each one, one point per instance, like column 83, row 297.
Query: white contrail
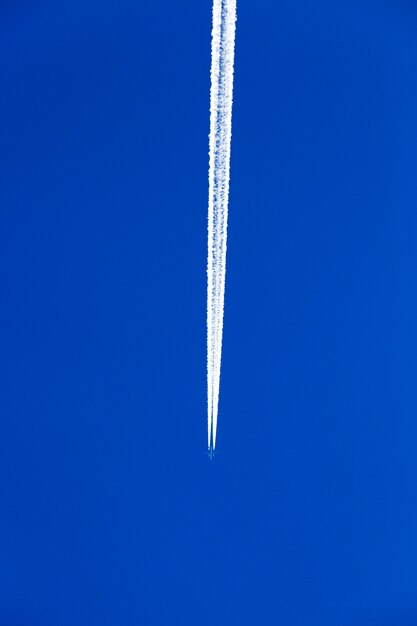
column 221, row 95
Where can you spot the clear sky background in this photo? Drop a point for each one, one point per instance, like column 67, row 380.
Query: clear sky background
column 110, row 512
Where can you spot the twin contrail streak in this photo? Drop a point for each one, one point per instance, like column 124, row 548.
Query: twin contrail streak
column 221, row 95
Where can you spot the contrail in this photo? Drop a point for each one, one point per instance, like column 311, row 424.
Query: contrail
column 221, row 96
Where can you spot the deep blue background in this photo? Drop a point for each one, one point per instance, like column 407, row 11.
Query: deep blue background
column 111, row 513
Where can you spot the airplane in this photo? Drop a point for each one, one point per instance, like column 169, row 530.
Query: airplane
column 211, row 453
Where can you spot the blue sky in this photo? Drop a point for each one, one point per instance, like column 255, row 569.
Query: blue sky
column 111, row 512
